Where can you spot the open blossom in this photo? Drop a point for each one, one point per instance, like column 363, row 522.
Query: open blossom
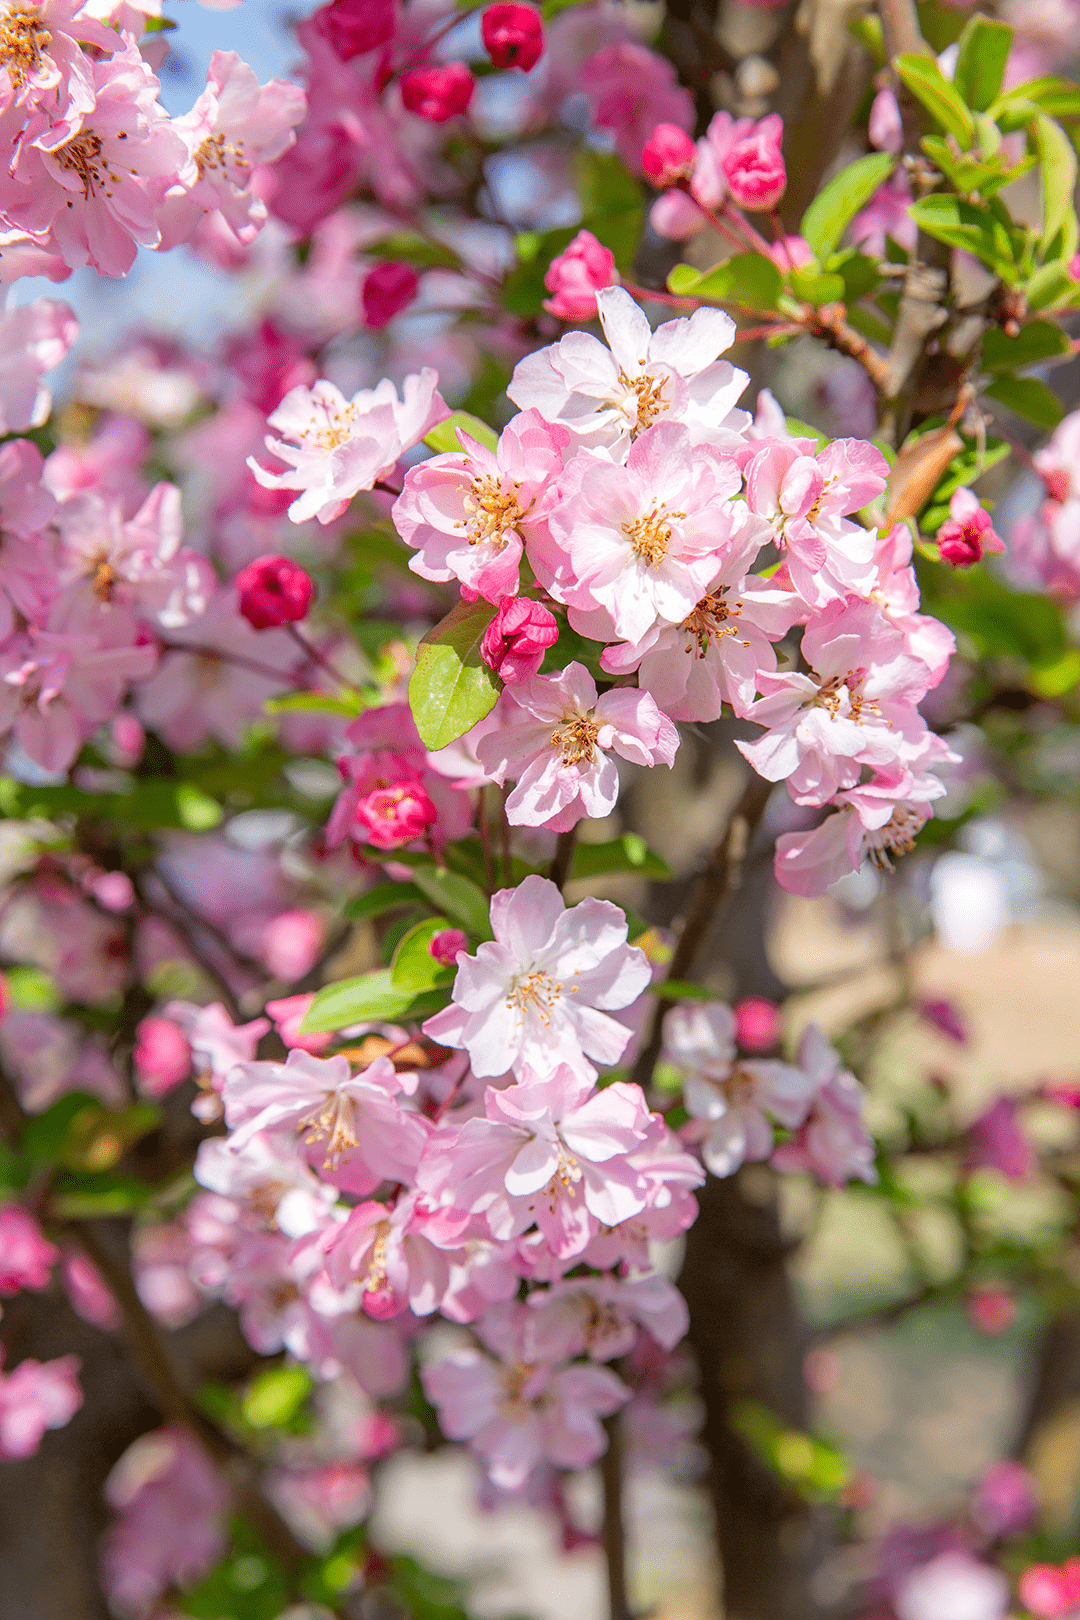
column 33, row 339
column 35, row 1396
column 967, row 534
column 268, row 1169
column 607, row 396
column 731, row 1096
column 954, row 1586
column 876, row 821
column 575, row 276
column 555, row 740
column 468, row 516
column 539, row 993
column 550, row 1151
column 26, row 1255
column 600, row 1316
column 399, row 1256
column 642, row 540
column 833, row 1142
column 138, row 562
column 334, row 447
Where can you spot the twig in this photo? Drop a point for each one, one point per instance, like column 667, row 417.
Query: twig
column 186, row 929
column 614, row 1532
column 829, row 326
column 564, row 857
column 881, row 1316
column 198, row 650
column 314, row 656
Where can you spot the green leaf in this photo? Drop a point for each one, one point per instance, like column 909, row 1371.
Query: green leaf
column 197, row 811
column 612, row 203
column 980, row 65
column 382, row 898
column 859, row 273
column 458, row 896
column 1057, row 172
column 369, row 998
column 414, row 968
column 926, row 82
column 43, row 1135
column 443, row 438
column 998, row 622
column 419, row 250
column 964, row 225
column 749, row 279
column 84, row 1196
column 275, row 1397
column 315, row 703
column 628, row 853
column 836, row 205
column 1039, row 340
column 868, row 31
column 816, row 287
column 684, row 990
column 32, row 988
column 451, row 687
column 1051, row 284
column 1028, row 397
column 1059, row 98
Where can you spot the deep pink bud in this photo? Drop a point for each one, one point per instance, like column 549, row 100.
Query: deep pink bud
column 513, row 36
column 274, row 591
column 395, row 815
column 446, row 945
column 755, row 173
column 87, row 1293
column 757, row 1023
column 162, row 1056
column 351, row 27
column 577, row 275
column 518, row 636
column 437, row 93
column 668, row 156
column 25, row 1252
column 791, row 254
column 387, row 290
column 944, row 1016
column 967, row 533
column 127, row 738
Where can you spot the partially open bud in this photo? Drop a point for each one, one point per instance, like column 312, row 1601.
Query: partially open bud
column 967, row 533
column 518, row 636
column 668, row 156
column 437, row 93
column 755, row 172
column 575, row 277
column 391, row 816
column 513, row 36
column 273, row 591
column 447, row 945
column 388, row 289
column 352, row 27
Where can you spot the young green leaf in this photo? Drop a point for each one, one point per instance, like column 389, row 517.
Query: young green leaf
column 816, row 287
column 381, row 899
column 1057, row 172
column 451, row 687
column 628, row 853
column 369, row 998
column 458, row 896
column 926, row 82
column 1051, row 285
column 1039, row 340
column 980, row 64
column 443, row 438
column 414, row 968
column 1028, row 397
column 749, row 280
column 836, row 205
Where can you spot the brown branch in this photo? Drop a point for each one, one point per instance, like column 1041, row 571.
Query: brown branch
column 564, row 857
column 829, row 326
column 900, row 26
column 614, row 1527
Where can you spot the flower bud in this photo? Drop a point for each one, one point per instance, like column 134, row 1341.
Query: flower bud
column 513, row 36
column 437, row 93
column 162, row 1056
column 387, row 290
column 26, row 1254
column 755, row 172
column 290, row 943
column 575, row 277
column 757, row 1023
column 668, row 156
column 967, row 533
column 518, row 636
column 391, row 816
column 990, row 1309
column 791, row 254
column 447, row 944
column 352, row 27
column 274, row 591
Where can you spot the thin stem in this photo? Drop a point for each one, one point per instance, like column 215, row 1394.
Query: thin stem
column 316, row 657
column 385, row 489
column 780, row 235
column 720, row 225
column 195, row 650
column 614, row 1534
column 185, row 928
column 656, row 296
column 564, row 857
column 750, row 234
column 748, row 334
column 483, row 824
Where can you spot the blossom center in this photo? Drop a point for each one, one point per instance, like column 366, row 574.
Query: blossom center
column 650, row 536
column 648, row 392
column 217, row 152
column 336, row 430
column 104, row 577
column 563, row 1183
column 23, row 42
column 831, row 695
column 709, row 619
column 897, row 837
column 83, row 156
column 493, row 512
column 534, row 989
column 333, row 1121
column 375, row 1281
column 576, row 739
column 513, row 1404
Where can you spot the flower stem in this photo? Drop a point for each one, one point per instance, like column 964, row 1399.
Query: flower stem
column 314, row 656
column 614, row 1532
column 564, row 857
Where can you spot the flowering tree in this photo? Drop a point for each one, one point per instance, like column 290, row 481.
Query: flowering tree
column 341, row 1114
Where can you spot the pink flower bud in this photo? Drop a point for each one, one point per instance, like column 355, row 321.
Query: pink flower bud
column 289, row 945
column 387, row 290
column 392, row 816
column 274, row 591
column 87, row 1293
column 446, row 945
column 513, row 36
column 757, row 1023
column 885, row 128
column 1006, row 1502
column 352, row 27
column 162, row 1056
column 575, row 277
column 1073, row 267
column 668, row 156
column 127, row 739
column 792, row 253
column 755, row 172
column 944, row 1016
column 1050, row 1592
column 288, row 1014
column 518, row 636
column 967, row 534
column 437, row 93
column 26, row 1254
column 990, row 1309
column 113, row 891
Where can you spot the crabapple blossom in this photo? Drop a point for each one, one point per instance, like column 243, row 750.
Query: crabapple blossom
column 632, row 89
column 513, row 35
column 876, row 821
column 600, row 1316
column 517, row 638
column 137, row 562
column 468, row 516
column 388, row 289
column 334, row 447
column 354, row 27
column 26, row 1255
column 33, row 339
column 438, row 93
column 967, row 534
column 398, row 1256
column 998, row 1142
column 676, row 214
column 539, row 993
column 35, row 1396
column 273, row 591
column 555, row 741
column 606, row 396
column 754, row 168
column 730, row 1096
column 268, row 1170
column 575, row 276
column 162, row 1056
column 833, row 1142
column 86, row 1292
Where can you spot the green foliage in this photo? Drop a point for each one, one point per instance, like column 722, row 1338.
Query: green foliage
column 427, row 1596
column 837, row 203
column 816, row 287
column 378, row 901
column 749, row 280
column 80, row 1196
column 443, row 438
column 451, row 687
column 980, row 65
column 369, row 998
column 1029, row 398
column 1038, row 341
column 980, row 229
column 815, row 1469
column 248, row 1585
column 1057, row 174
column 995, row 622
column 275, row 1398
column 926, row 82
column 458, row 896
column 629, row 853
column 413, row 968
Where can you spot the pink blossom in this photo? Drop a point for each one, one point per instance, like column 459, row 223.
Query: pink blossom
column 267, row 1169
column 677, row 215
column 162, row 1056
column 447, row 945
column 87, row 1293
column 998, row 1143
column 555, row 743
column 353, row 1126
column 389, row 779
column 791, row 253
column 354, row 27
column 1050, row 1591
column 548, row 1151
column 33, row 339
column 755, row 171
column 607, row 396
column 29, row 581
column 513, row 36
column 320, row 1502
column 833, row 1144
column 886, row 214
column 967, row 533
column 515, row 1415
column 632, row 89
column 468, row 516
column 438, row 93
column 388, row 289
column 897, row 592
column 600, row 1316
column 138, row 562
column 575, row 276
column 273, row 591
column 668, row 156
column 397, row 1256
column 26, row 1255
column 885, row 127
column 954, row 1586
column 333, row 447
column 538, row 994
column 35, row 1396
column 730, row 1096
column 517, row 638
column 878, row 820
column 288, row 1013
column 1006, row 1500
column 397, row 814
column 217, row 1044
